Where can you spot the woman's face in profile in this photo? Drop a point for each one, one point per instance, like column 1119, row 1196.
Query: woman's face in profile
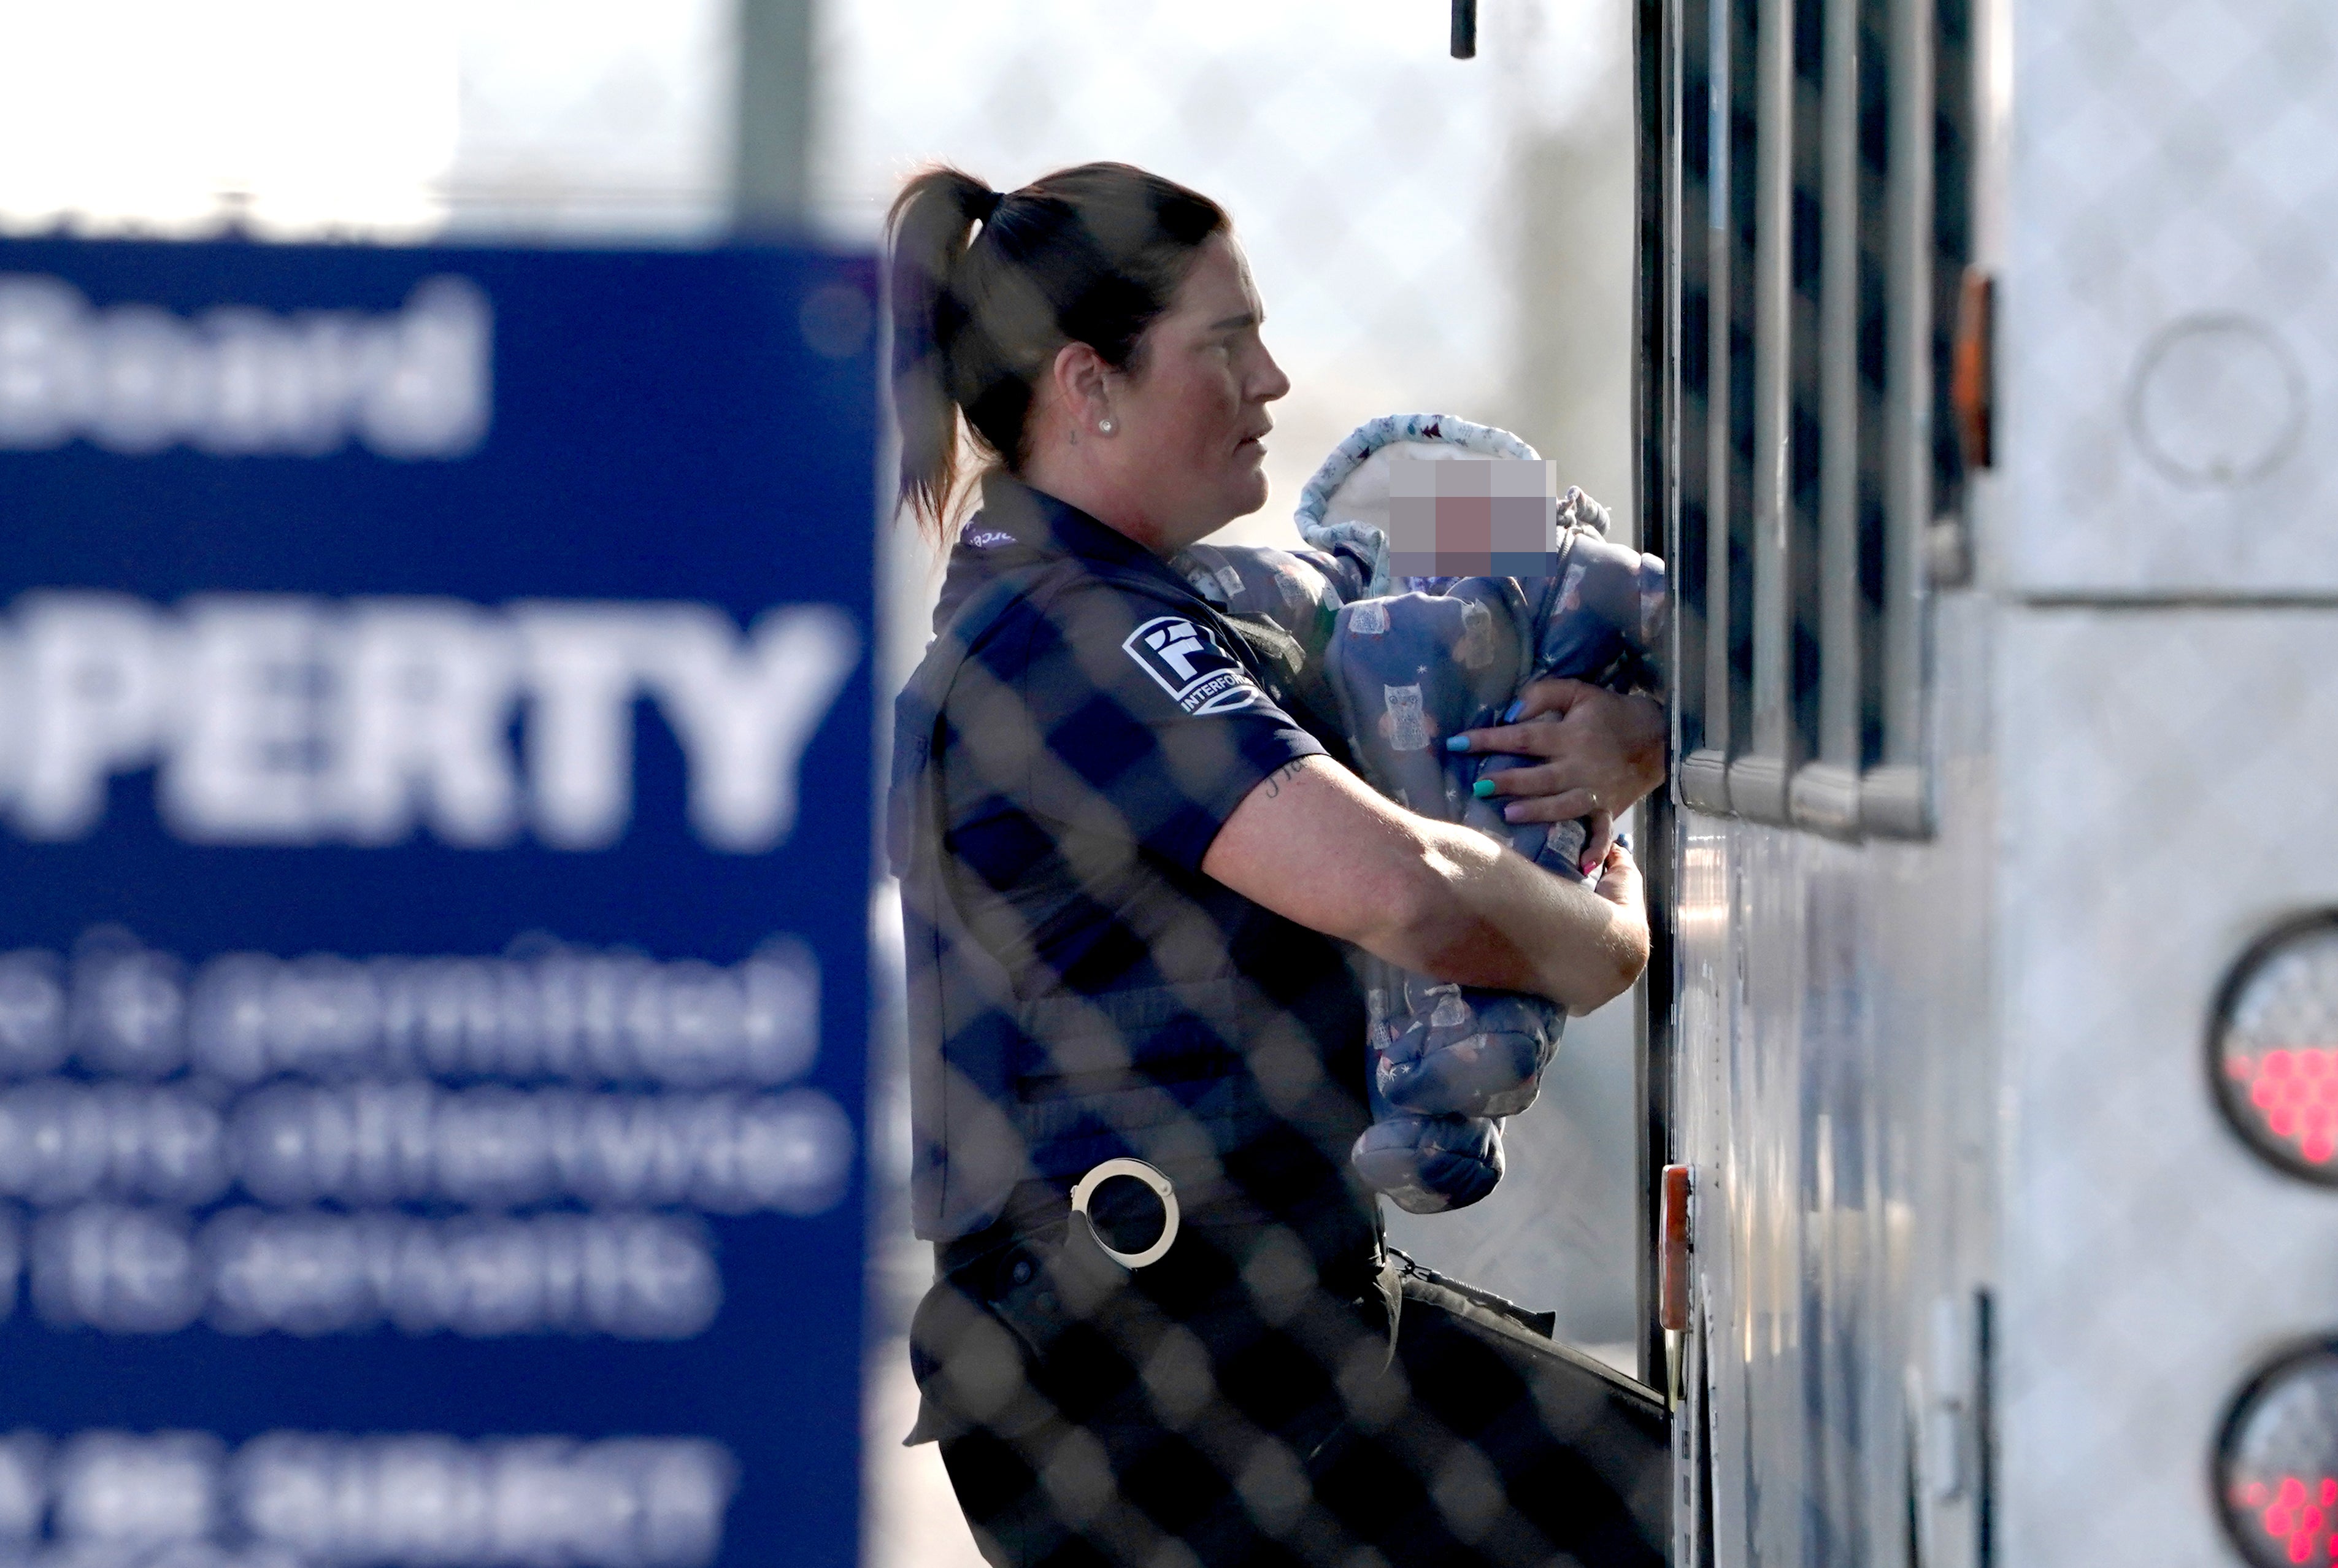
column 1193, row 417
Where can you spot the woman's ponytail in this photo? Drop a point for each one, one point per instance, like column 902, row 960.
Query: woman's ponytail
column 929, row 228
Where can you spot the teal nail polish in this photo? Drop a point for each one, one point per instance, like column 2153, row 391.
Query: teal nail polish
column 1457, row 742
column 1483, row 788
column 1510, row 714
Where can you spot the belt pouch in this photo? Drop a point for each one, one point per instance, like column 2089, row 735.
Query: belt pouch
column 995, row 1343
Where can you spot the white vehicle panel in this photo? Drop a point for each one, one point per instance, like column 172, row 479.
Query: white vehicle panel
column 2162, row 818
column 2167, row 346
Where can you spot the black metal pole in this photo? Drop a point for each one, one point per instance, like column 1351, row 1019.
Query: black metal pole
column 1465, row 29
column 1652, row 493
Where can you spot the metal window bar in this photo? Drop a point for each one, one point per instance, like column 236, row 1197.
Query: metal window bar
column 1814, row 459
column 1695, row 221
column 1950, row 154
column 1737, row 366
column 1757, row 777
column 1826, row 788
column 1728, row 548
column 1813, row 219
column 1893, row 796
column 1701, row 437
column 1877, row 92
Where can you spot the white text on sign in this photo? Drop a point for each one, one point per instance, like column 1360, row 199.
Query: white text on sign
column 286, row 719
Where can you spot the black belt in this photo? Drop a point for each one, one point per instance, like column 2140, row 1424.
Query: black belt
column 1039, row 1212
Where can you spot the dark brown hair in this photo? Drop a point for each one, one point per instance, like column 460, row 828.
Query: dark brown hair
column 1090, row 255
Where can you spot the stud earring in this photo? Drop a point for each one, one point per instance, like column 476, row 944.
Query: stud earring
column 1104, row 426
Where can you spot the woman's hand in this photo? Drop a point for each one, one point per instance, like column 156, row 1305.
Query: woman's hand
column 1619, row 878
column 1599, row 753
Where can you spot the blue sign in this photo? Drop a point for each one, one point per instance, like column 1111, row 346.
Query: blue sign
column 434, row 771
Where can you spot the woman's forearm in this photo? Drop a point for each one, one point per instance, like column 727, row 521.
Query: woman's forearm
column 1493, row 918
column 1316, row 845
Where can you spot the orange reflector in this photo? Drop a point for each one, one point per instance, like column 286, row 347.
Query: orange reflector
column 1672, row 1269
column 1972, row 369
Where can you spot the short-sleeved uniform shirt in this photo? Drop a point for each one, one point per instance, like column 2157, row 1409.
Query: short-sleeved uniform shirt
column 1082, row 727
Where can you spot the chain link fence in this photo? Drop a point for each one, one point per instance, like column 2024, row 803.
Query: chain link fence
column 1428, row 234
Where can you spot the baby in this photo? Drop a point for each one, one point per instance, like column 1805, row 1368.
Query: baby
column 1400, row 666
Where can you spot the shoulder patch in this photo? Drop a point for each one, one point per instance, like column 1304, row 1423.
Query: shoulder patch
column 1186, row 661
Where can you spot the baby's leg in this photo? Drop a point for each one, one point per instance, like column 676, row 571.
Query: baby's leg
column 1408, row 671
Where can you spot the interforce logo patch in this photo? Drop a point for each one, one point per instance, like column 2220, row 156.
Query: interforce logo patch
column 1199, row 676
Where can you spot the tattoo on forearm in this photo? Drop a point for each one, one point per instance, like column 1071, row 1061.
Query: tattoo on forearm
column 1276, row 780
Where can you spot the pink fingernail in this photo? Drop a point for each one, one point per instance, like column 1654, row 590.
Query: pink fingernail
column 1510, row 812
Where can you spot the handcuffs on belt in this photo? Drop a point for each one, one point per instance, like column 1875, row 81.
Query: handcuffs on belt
column 1152, row 1178
column 1386, row 1289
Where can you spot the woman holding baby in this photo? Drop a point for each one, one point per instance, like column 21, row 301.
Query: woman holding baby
column 1136, row 869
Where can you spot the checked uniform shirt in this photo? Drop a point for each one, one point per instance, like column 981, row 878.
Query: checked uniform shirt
column 1082, row 726
column 1271, row 1392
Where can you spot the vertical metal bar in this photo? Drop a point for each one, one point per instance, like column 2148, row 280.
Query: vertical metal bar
column 1655, row 78
column 1721, row 725
column 1757, row 781
column 1690, row 302
column 1893, row 796
column 1660, row 236
column 772, row 158
column 1909, row 338
column 1825, row 791
column 1839, row 685
column 1703, row 779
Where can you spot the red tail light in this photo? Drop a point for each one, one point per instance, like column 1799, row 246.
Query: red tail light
column 2276, row 1048
column 2277, row 1466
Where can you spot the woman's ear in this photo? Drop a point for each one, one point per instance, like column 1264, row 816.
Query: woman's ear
column 1083, row 380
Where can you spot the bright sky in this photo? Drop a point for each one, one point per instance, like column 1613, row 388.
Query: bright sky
column 145, row 110
column 1369, row 173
